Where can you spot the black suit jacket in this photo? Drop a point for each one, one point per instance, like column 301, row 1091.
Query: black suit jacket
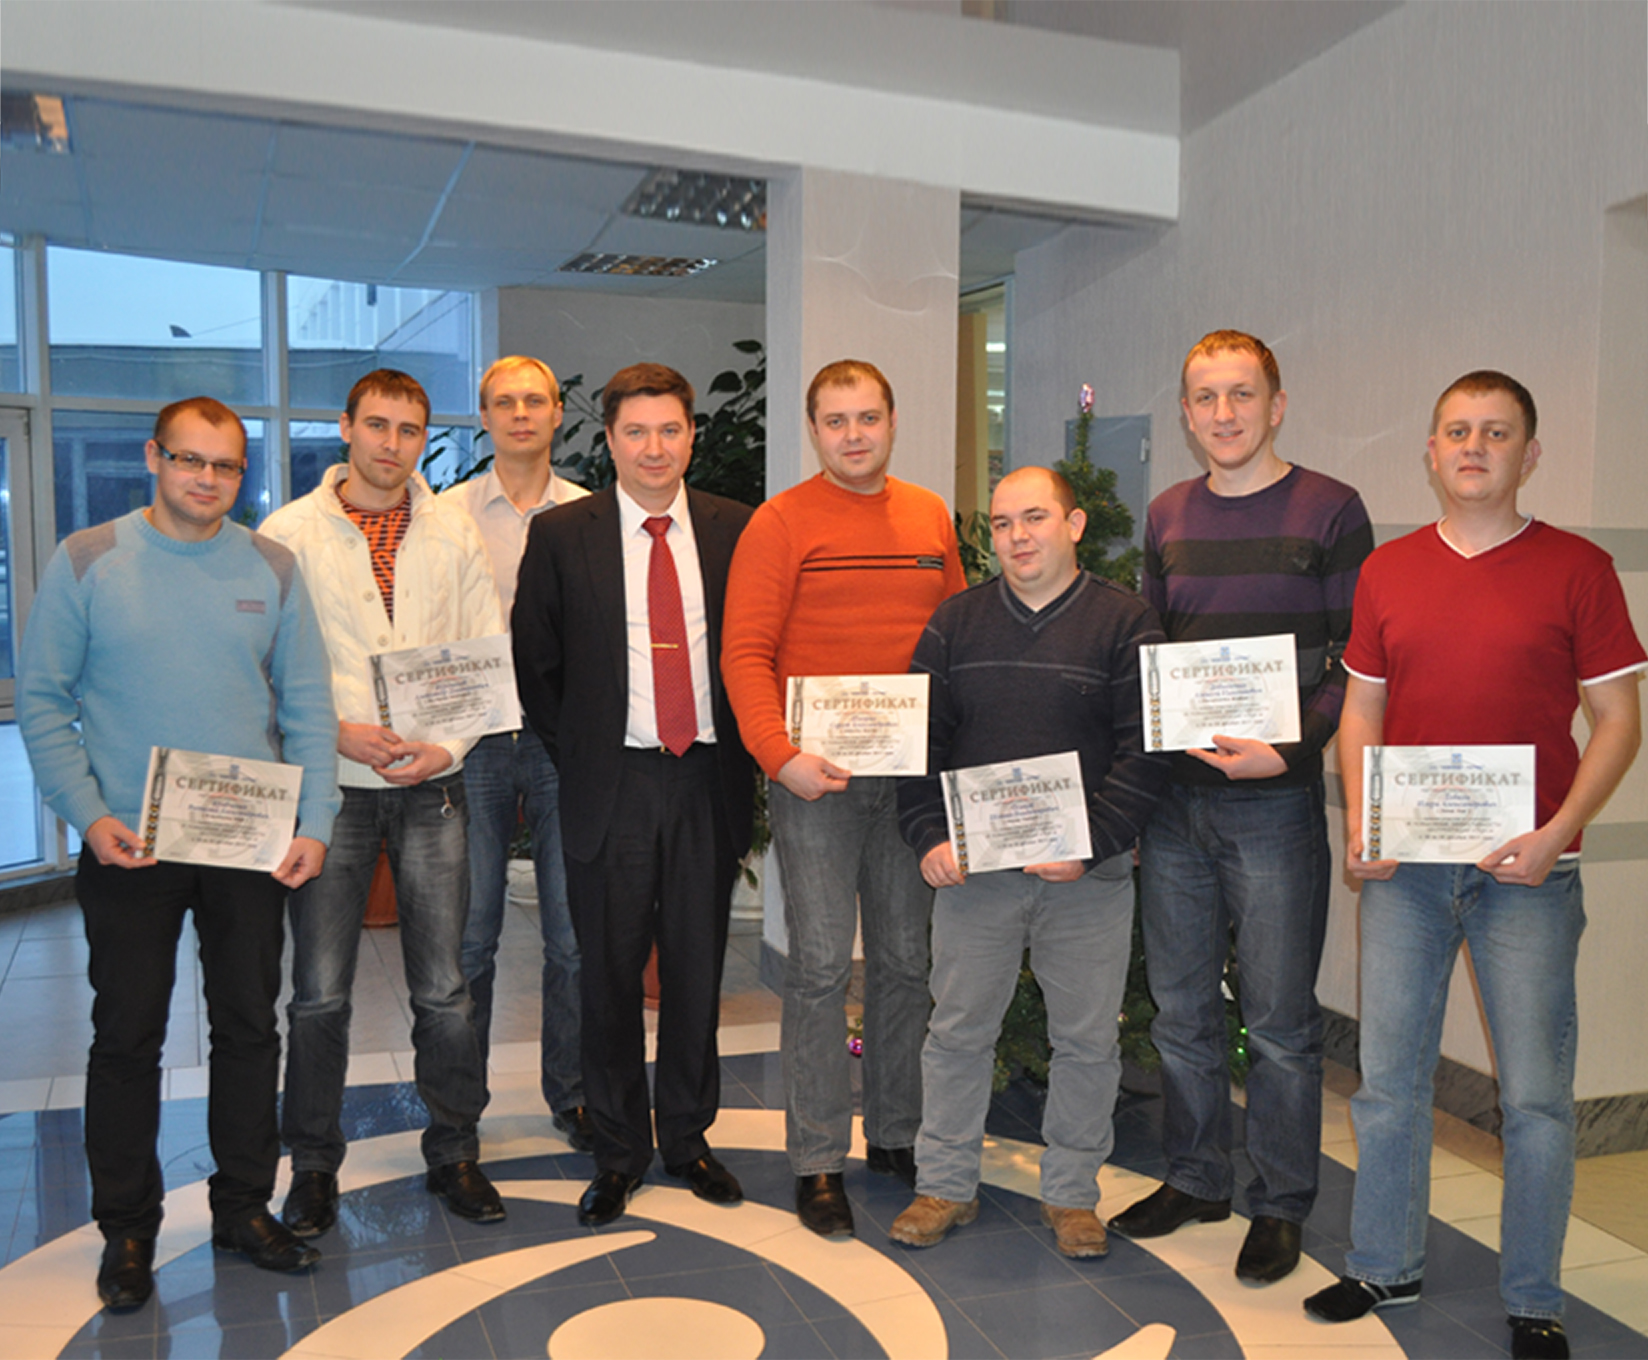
column 572, row 657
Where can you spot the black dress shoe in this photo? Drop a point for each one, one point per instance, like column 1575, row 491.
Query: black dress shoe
column 267, row 1243
column 821, row 1203
column 126, row 1278
column 1270, row 1251
column 1167, row 1209
column 466, row 1190
column 1537, row 1339
column 579, row 1128
column 606, row 1198
column 900, row 1162
column 709, row 1180
column 311, row 1204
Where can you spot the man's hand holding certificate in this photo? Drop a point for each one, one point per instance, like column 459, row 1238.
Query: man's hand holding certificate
column 1017, row 813
column 865, row 724
column 1236, row 687
column 1444, row 804
column 448, row 692
column 220, row 810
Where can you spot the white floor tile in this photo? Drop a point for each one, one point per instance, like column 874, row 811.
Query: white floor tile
column 1620, row 1289
column 1473, row 1194
column 27, row 1093
column 187, row 1083
column 67, row 1093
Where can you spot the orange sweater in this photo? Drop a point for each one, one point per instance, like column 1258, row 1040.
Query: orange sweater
column 828, row 582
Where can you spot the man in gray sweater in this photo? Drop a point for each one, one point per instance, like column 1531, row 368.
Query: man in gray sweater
column 1042, row 660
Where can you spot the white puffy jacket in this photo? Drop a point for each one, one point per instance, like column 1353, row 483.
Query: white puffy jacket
column 443, row 592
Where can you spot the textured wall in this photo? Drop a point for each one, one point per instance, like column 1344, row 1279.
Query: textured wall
column 1426, row 198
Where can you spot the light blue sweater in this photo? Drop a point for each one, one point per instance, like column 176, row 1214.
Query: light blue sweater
column 143, row 640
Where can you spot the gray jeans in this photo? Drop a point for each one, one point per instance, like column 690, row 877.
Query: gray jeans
column 1079, row 935
column 842, row 861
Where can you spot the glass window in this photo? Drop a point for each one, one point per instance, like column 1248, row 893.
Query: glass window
column 100, row 473
column 338, row 332
column 316, row 445
column 123, row 326
column 20, row 821
column 8, row 583
column 11, row 377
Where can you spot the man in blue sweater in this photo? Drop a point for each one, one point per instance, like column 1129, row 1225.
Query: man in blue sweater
column 1042, row 660
column 170, row 627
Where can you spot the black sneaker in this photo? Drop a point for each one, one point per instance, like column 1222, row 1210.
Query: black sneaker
column 1537, row 1339
column 1351, row 1299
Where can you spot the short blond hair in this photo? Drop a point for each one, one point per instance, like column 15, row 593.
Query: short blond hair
column 509, row 363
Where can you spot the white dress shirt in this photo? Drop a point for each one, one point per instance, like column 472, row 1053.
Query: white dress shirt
column 637, row 545
column 503, row 525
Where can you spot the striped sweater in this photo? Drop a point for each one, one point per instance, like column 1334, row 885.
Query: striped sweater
column 1282, row 560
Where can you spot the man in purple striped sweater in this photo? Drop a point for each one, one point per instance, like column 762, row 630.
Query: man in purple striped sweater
column 1238, row 846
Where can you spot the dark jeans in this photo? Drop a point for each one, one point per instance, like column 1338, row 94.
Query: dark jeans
column 506, row 774
column 1253, row 861
column 424, row 828
column 134, row 918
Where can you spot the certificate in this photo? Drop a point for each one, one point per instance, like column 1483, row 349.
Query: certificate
column 1444, row 804
column 1017, row 813
column 869, row 724
column 448, row 692
column 1236, row 687
column 223, row 810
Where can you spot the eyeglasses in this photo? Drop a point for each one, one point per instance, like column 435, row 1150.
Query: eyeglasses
column 194, row 463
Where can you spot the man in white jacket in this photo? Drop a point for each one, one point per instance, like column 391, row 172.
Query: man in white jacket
column 392, row 567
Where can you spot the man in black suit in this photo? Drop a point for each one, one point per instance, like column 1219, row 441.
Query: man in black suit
column 617, row 629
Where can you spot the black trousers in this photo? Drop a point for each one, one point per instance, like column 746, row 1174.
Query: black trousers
column 134, row 918
column 664, row 874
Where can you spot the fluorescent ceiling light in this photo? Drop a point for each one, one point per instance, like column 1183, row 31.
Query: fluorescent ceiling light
column 641, row 266
column 702, row 200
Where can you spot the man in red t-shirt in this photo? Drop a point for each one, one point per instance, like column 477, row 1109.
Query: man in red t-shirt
column 1480, row 630
column 838, row 576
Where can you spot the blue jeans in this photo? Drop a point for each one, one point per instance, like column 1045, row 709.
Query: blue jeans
column 1079, row 935
column 424, row 829
column 506, row 774
column 842, row 860
column 1254, row 861
column 1524, row 944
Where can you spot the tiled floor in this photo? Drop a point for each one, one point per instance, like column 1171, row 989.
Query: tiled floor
column 675, row 1276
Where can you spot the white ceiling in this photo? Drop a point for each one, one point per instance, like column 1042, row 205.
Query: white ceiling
column 422, row 211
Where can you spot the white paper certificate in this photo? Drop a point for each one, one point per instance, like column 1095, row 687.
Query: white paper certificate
column 223, row 810
column 1236, row 687
column 869, row 724
column 1444, row 804
column 449, row 691
column 1017, row 813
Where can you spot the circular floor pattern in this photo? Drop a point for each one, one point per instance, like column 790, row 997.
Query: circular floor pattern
column 658, row 1329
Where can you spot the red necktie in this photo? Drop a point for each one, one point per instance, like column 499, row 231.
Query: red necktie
column 671, row 663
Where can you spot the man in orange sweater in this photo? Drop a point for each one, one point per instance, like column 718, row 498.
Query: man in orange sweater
column 838, row 576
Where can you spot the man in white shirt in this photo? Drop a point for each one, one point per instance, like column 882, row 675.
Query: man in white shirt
column 390, row 567
column 508, row 775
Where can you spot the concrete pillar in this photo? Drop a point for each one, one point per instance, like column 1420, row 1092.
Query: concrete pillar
column 863, row 268
column 859, row 268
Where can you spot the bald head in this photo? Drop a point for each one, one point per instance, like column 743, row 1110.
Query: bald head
column 1035, row 525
